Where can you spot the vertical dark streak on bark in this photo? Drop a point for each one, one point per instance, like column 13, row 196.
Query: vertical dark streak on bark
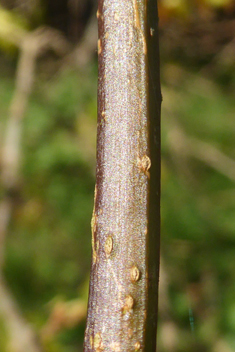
column 153, row 247
column 122, row 309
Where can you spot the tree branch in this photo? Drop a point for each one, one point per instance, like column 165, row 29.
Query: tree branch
column 203, row 151
column 122, row 310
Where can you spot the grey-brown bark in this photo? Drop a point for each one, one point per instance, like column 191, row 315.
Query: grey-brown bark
column 122, row 310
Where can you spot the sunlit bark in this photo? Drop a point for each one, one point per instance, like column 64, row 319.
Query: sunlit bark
column 122, row 311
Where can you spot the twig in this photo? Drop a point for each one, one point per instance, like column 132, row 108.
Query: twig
column 203, row 151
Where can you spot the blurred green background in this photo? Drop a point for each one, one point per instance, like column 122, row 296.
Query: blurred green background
column 48, row 83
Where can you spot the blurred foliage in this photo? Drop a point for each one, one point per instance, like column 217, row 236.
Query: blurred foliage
column 48, row 245
column 12, row 29
column 48, row 248
column 198, row 228
column 184, row 6
column 56, row 192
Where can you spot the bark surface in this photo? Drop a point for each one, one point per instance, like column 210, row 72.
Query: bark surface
column 122, row 309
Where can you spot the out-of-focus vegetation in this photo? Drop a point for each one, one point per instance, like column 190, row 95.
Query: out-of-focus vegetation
column 46, row 242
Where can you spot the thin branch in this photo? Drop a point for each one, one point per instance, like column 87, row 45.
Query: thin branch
column 122, row 309
column 203, row 151
column 21, row 337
